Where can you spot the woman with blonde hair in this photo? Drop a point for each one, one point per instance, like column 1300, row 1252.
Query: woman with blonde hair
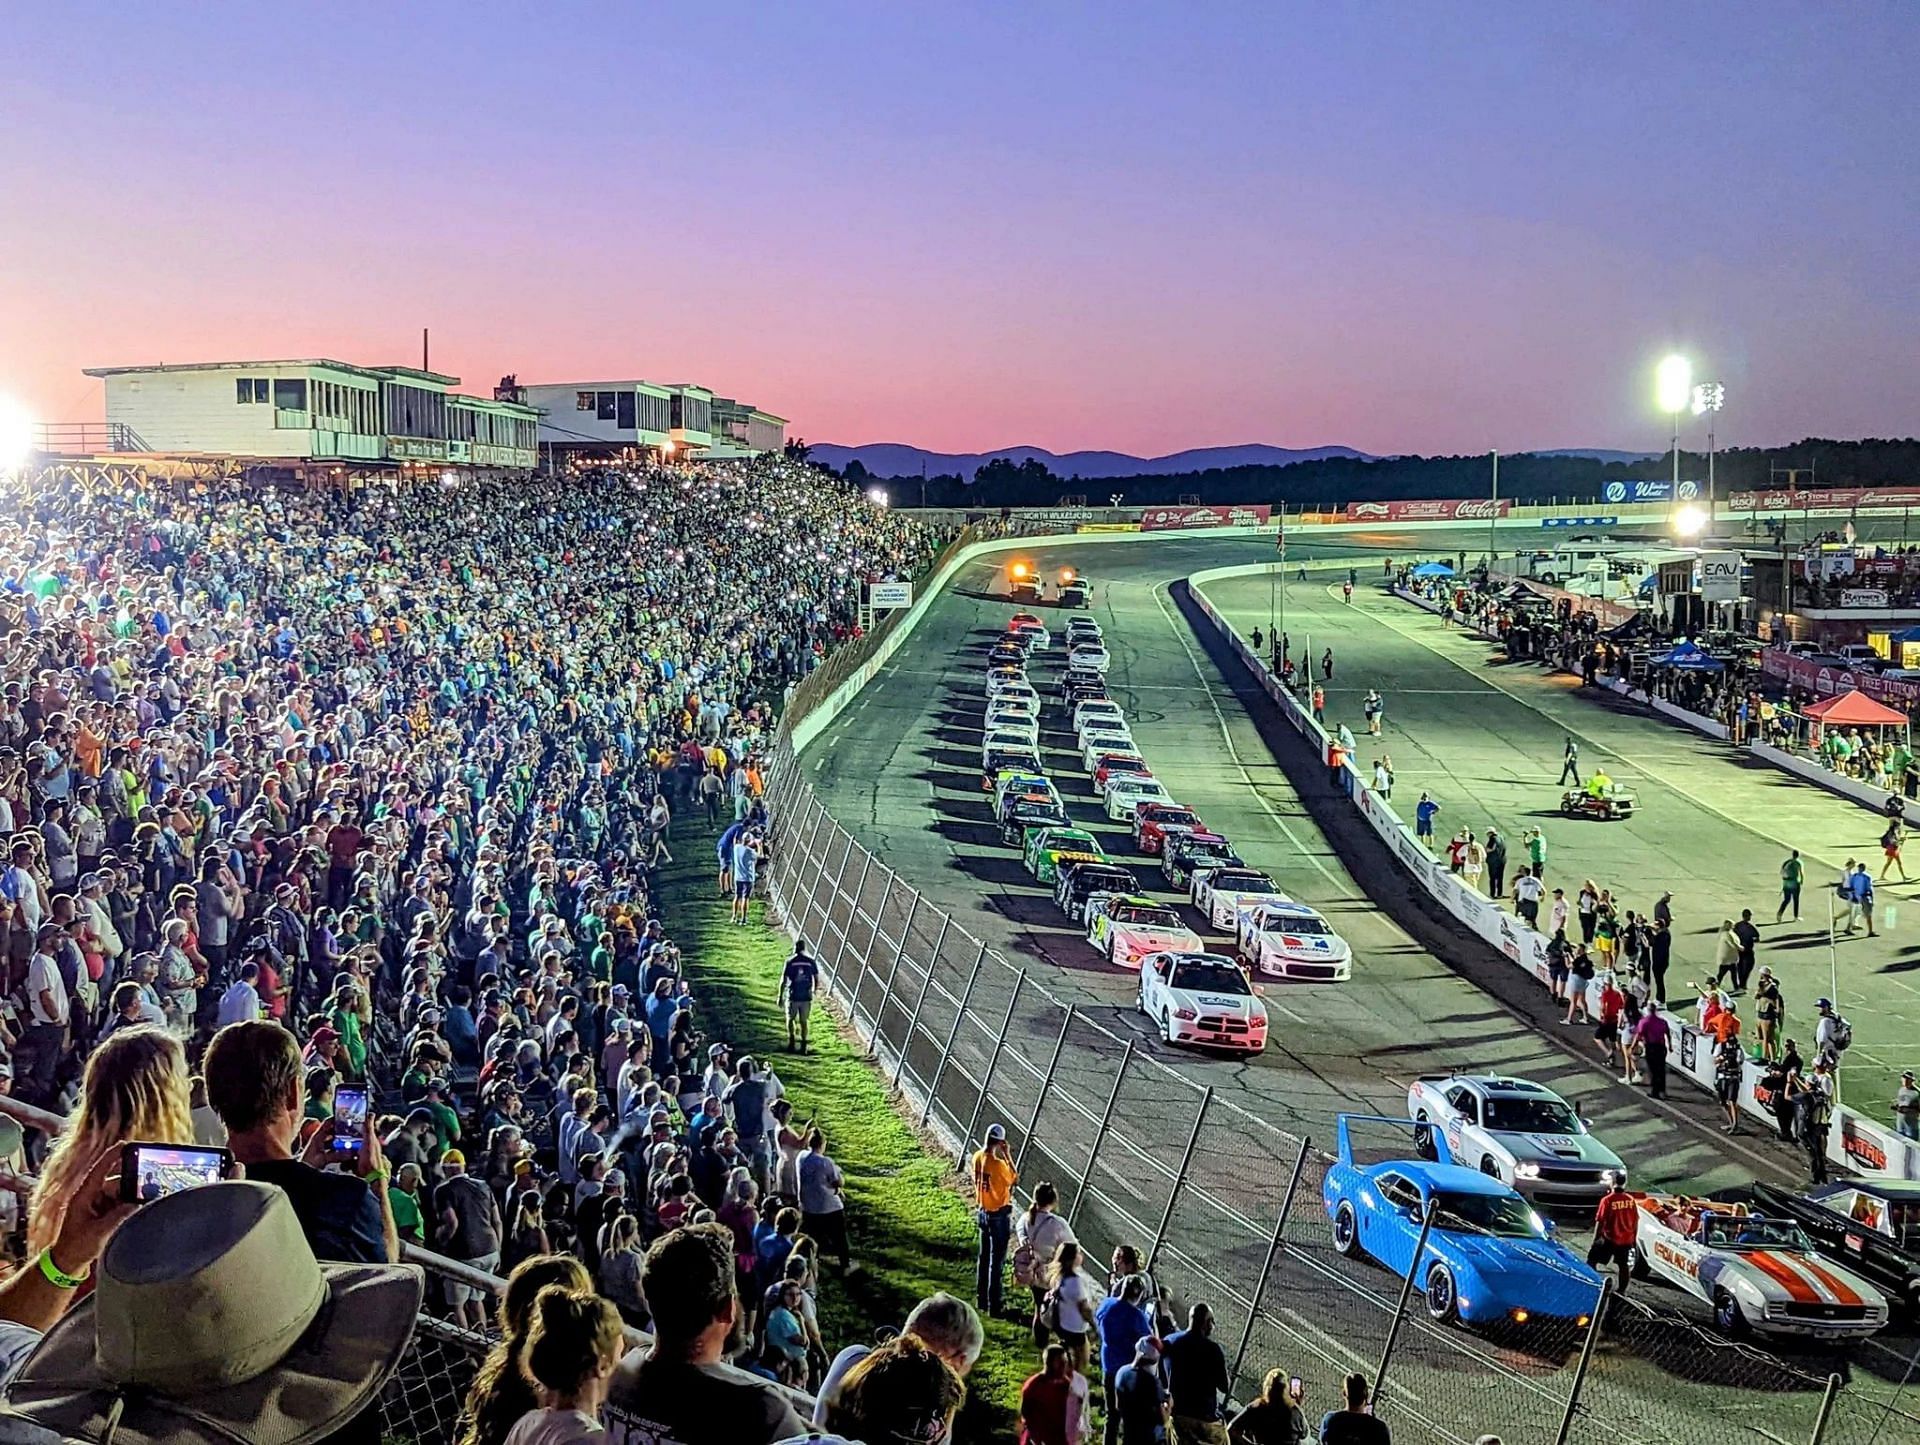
column 501, row 1394
column 134, row 1090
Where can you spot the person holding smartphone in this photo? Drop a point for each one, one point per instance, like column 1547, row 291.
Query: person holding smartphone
column 1274, row 1417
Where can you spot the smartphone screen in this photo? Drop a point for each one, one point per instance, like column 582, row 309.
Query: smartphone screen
column 350, row 1116
column 1296, row 1387
column 148, row 1171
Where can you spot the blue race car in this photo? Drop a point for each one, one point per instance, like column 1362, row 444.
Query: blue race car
column 1489, row 1257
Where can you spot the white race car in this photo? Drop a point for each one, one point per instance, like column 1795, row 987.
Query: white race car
column 1128, row 791
column 1090, row 656
column 1221, row 893
column 1291, row 940
column 1033, row 635
column 1759, row 1273
column 1104, row 739
column 1202, row 998
column 999, row 679
column 1007, row 736
column 1103, row 709
column 1127, row 929
column 1520, row 1132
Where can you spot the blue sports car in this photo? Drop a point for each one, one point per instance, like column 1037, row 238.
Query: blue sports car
column 1489, row 1257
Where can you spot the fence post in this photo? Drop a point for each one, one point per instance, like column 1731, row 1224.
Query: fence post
column 946, row 1050
column 913, row 1019
column 993, row 1059
column 1100, row 1134
column 1273, row 1250
column 1586, row 1358
column 1180, row 1179
column 1400, row 1310
column 886, row 990
column 1826, row 1409
column 1046, row 1083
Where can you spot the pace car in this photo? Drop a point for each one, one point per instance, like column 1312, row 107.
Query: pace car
column 1760, row 1273
column 1157, row 824
column 1203, row 999
column 1490, row 1258
column 1870, row 1225
column 1221, row 893
column 1079, row 886
column 1046, row 849
column 1516, row 1131
column 1126, row 930
column 1122, row 795
column 1291, row 940
column 1199, row 849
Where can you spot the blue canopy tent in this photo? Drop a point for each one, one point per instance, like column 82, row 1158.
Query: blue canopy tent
column 1687, row 657
column 1433, row 569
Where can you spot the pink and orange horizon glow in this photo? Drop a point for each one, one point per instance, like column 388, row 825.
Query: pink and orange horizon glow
column 1401, row 228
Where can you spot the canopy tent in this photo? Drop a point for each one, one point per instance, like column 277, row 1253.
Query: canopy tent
column 1635, row 626
column 1433, row 569
column 1689, row 657
column 1855, row 709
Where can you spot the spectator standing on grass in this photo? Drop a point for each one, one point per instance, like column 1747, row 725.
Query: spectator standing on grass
column 1037, row 1236
column 797, row 982
column 1793, row 873
column 823, row 1202
column 1356, row 1424
column 1274, row 1417
column 1197, row 1380
column 1140, row 1396
column 993, row 1179
column 1122, row 1321
column 1069, row 1307
column 1053, row 1403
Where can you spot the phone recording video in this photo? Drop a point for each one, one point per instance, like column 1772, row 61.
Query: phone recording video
column 349, row 1116
column 148, row 1171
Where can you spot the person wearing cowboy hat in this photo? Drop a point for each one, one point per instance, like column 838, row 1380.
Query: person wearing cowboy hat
column 179, row 1344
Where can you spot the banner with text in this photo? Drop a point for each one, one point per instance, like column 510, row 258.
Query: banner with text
column 1827, row 681
column 1180, row 519
column 1663, row 490
column 1437, row 509
column 1829, row 499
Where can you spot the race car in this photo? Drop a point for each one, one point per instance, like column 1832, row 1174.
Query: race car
column 1106, row 738
column 1020, row 691
column 1221, row 893
column 1031, row 633
column 1203, row 999
column 1079, row 886
column 1291, row 940
column 1157, row 824
column 1122, row 795
column 1120, row 760
column 1086, row 710
column 1126, row 930
column 1007, row 653
column 1021, row 782
column 1490, row 1259
column 1870, row 1225
column 1006, row 737
column 1515, row 1131
column 1048, row 848
column 1199, row 849
column 1009, row 720
column 1579, row 803
column 998, row 760
column 1080, row 630
column 1020, row 619
column 1091, row 656
column 1025, row 813
column 1004, row 675
column 1760, row 1273
column 1075, row 686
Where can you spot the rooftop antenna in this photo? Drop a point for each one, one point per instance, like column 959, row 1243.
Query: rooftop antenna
column 425, row 361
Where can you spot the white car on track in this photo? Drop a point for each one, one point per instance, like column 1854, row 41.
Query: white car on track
column 1013, row 720
column 1090, row 656
column 1106, row 738
column 1291, row 940
column 1758, row 1272
column 1127, row 792
column 999, row 679
column 1221, row 893
column 1202, row 998
column 1092, row 710
column 1021, row 692
column 1032, row 635
column 1520, row 1132
column 1081, row 631
column 1127, row 929
column 1007, row 736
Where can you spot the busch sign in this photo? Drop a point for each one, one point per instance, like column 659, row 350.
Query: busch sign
column 1180, row 519
column 1439, row 509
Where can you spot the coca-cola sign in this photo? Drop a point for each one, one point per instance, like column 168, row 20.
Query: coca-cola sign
column 1181, row 519
column 1435, row 509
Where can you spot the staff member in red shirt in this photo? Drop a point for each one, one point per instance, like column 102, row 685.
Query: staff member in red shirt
column 1616, row 1226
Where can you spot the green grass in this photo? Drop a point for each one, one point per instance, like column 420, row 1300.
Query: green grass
column 910, row 1223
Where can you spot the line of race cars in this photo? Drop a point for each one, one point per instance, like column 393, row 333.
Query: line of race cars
column 1193, row 994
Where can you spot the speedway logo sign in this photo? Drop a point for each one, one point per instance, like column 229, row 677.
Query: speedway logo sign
column 1180, row 519
column 1438, row 509
column 1652, row 491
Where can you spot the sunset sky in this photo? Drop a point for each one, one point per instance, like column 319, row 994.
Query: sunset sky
column 1402, row 227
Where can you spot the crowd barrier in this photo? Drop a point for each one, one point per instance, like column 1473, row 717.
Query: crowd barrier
column 1225, row 1206
column 1854, row 1140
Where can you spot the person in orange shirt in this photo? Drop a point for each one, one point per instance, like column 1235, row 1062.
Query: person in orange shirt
column 1616, row 1226
column 993, row 1179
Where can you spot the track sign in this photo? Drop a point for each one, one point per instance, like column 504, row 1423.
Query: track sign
column 882, row 595
column 1720, row 576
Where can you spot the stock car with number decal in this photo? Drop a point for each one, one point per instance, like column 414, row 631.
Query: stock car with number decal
column 1203, row 999
column 998, row 760
column 1077, row 887
column 1124, row 794
column 1201, row 848
column 1870, row 1225
column 1759, row 1272
column 1157, row 824
column 1120, row 761
column 1221, row 893
column 1490, row 1259
column 1515, row 1130
column 1046, row 850
column 1025, row 813
column 1127, row 929
column 1291, row 940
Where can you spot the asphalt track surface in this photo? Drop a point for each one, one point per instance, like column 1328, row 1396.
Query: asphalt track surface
column 901, row 769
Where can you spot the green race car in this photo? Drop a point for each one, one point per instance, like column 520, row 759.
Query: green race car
column 1049, row 847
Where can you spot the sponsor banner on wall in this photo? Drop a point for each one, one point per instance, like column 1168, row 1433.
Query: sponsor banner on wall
column 1663, row 490
column 1863, row 597
column 1579, row 521
column 890, row 594
column 1180, row 519
column 1720, row 576
column 1828, row 681
column 1845, row 499
column 1439, row 509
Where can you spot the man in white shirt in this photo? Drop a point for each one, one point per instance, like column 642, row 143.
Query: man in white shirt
column 48, row 1011
column 240, row 1004
column 20, row 888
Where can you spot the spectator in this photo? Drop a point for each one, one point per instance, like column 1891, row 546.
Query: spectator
column 797, row 981
column 1069, row 1306
column 570, row 1354
column 254, row 1085
column 501, row 1394
column 993, row 1179
column 1274, row 1417
column 901, row 1391
column 1140, row 1398
column 1037, row 1237
column 1356, row 1423
column 823, row 1207
column 1122, row 1320
column 1197, row 1380
column 786, row 1353
column 680, row 1387
column 403, row 1197
column 470, row 1231
column 1053, row 1403
column 621, row 1259
column 944, row 1323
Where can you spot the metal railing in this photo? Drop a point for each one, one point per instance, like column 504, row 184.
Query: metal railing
column 1228, row 1209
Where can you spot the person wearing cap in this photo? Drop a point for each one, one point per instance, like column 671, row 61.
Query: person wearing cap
column 1140, row 1398
column 1906, row 1107
column 993, row 1179
column 1826, row 1032
column 469, row 1230
column 1814, row 1105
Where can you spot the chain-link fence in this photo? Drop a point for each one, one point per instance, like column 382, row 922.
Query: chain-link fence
column 1229, row 1210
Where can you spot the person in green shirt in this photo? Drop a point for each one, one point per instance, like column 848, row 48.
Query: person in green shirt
column 1537, row 850
column 345, row 1018
column 1792, row 874
column 320, row 1084
column 403, row 1194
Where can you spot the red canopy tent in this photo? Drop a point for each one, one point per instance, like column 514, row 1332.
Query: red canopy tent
column 1855, row 709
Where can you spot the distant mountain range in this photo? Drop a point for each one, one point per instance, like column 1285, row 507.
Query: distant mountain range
column 897, row 459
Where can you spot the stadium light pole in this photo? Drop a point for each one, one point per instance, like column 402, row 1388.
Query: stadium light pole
column 1673, row 388
column 1708, row 398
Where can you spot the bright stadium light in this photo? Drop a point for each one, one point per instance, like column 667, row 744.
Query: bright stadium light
column 16, row 434
column 877, row 495
column 1689, row 522
column 1673, row 384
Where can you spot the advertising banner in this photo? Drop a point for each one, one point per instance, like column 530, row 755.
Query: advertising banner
column 890, row 594
column 1441, row 509
column 1863, row 597
column 1660, row 491
column 1720, row 576
column 1579, row 521
column 1829, row 499
column 1827, row 681
column 1180, row 519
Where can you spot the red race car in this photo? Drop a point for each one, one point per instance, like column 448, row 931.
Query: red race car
column 1107, row 764
column 1152, row 822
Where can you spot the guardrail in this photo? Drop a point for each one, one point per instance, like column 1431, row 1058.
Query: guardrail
column 1222, row 1204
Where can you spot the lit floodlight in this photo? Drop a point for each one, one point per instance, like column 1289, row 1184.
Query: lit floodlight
column 1689, row 522
column 1708, row 396
column 16, row 434
column 1673, row 384
column 448, row 479
column 877, row 495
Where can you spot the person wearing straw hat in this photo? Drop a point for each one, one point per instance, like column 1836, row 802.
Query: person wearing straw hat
column 179, row 1343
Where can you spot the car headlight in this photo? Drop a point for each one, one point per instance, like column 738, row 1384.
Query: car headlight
column 1526, row 1171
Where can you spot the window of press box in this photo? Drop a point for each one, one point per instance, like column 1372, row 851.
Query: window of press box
column 290, row 395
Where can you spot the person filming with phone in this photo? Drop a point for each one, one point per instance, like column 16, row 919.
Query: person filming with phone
column 255, row 1084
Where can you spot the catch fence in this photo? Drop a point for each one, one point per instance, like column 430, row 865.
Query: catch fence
column 1229, row 1209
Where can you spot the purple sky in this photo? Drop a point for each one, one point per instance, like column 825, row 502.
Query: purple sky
column 1401, row 227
